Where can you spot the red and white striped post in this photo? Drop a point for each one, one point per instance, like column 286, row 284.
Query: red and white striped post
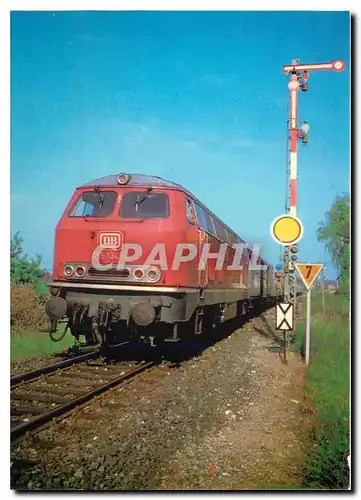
column 294, row 88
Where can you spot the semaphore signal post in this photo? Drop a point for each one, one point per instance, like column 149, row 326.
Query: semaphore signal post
column 299, row 76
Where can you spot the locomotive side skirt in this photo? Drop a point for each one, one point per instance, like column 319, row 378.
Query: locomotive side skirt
column 171, row 304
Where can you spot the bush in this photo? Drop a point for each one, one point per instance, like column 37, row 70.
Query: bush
column 28, row 288
column 27, row 309
column 25, row 270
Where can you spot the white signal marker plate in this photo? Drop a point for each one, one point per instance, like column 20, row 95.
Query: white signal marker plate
column 284, row 317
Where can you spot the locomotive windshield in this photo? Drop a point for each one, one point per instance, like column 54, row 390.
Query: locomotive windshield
column 144, row 205
column 94, row 204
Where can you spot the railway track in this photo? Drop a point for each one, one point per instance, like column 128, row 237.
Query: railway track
column 55, row 391
column 23, row 377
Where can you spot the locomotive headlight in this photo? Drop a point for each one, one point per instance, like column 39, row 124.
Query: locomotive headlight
column 138, row 273
column 153, row 274
column 68, row 270
column 80, row 271
column 123, row 179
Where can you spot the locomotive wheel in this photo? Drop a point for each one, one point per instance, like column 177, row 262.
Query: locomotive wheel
column 188, row 330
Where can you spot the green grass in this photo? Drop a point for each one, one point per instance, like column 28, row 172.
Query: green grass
column 327, row 387
column 27, row 343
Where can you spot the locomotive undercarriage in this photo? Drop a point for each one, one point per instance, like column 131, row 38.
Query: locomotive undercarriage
column 113, row 317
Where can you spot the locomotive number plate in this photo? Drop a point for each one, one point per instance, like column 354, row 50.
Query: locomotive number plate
column 108, row 256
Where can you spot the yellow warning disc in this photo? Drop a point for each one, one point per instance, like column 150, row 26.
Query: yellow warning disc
column 286, row 229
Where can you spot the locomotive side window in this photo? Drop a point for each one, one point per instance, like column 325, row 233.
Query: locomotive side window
column 94, row 204
column 211, row 227
column 202, row 217
column 205, row 220
column 221, row 230
column 144, row 205
column 190, row 214
column 232, row 238
column 228, row 235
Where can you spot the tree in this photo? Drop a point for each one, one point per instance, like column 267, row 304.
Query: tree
column 335, row 233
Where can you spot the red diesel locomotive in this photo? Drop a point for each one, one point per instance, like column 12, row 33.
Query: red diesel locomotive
column 160, row 293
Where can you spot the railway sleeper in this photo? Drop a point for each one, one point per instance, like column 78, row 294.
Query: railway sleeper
column 38, row 397
column 105, row 374
column 91, row 368
column 63, row 380
column 28, row 410
column 58, row 390
column 95, row 377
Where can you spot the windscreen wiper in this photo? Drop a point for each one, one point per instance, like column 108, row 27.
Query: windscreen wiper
column 140, row 200
column 101, row 197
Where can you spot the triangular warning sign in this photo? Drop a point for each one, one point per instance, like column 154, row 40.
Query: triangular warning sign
column 309, row 273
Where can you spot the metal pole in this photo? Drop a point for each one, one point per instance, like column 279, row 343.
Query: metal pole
column 290, row 280
column 323, row 291
column 308, row 328
column 287, row 201
column 293, row 87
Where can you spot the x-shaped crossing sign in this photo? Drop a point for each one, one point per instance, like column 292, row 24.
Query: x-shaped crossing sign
column 284, row 317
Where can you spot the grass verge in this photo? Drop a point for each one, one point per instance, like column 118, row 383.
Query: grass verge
column 29, row 343
column 328, row 389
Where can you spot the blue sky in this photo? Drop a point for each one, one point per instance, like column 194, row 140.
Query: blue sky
column 196, row 97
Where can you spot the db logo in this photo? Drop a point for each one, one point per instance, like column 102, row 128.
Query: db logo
column 110, row 240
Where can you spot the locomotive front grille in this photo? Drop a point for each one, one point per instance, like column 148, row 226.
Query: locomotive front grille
column 113, row 273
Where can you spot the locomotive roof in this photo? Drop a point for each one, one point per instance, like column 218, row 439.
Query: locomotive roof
column 135, row 180
column 138, row 180
column 149, row 180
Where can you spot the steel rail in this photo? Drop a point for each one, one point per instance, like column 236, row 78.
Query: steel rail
column 62, row 410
